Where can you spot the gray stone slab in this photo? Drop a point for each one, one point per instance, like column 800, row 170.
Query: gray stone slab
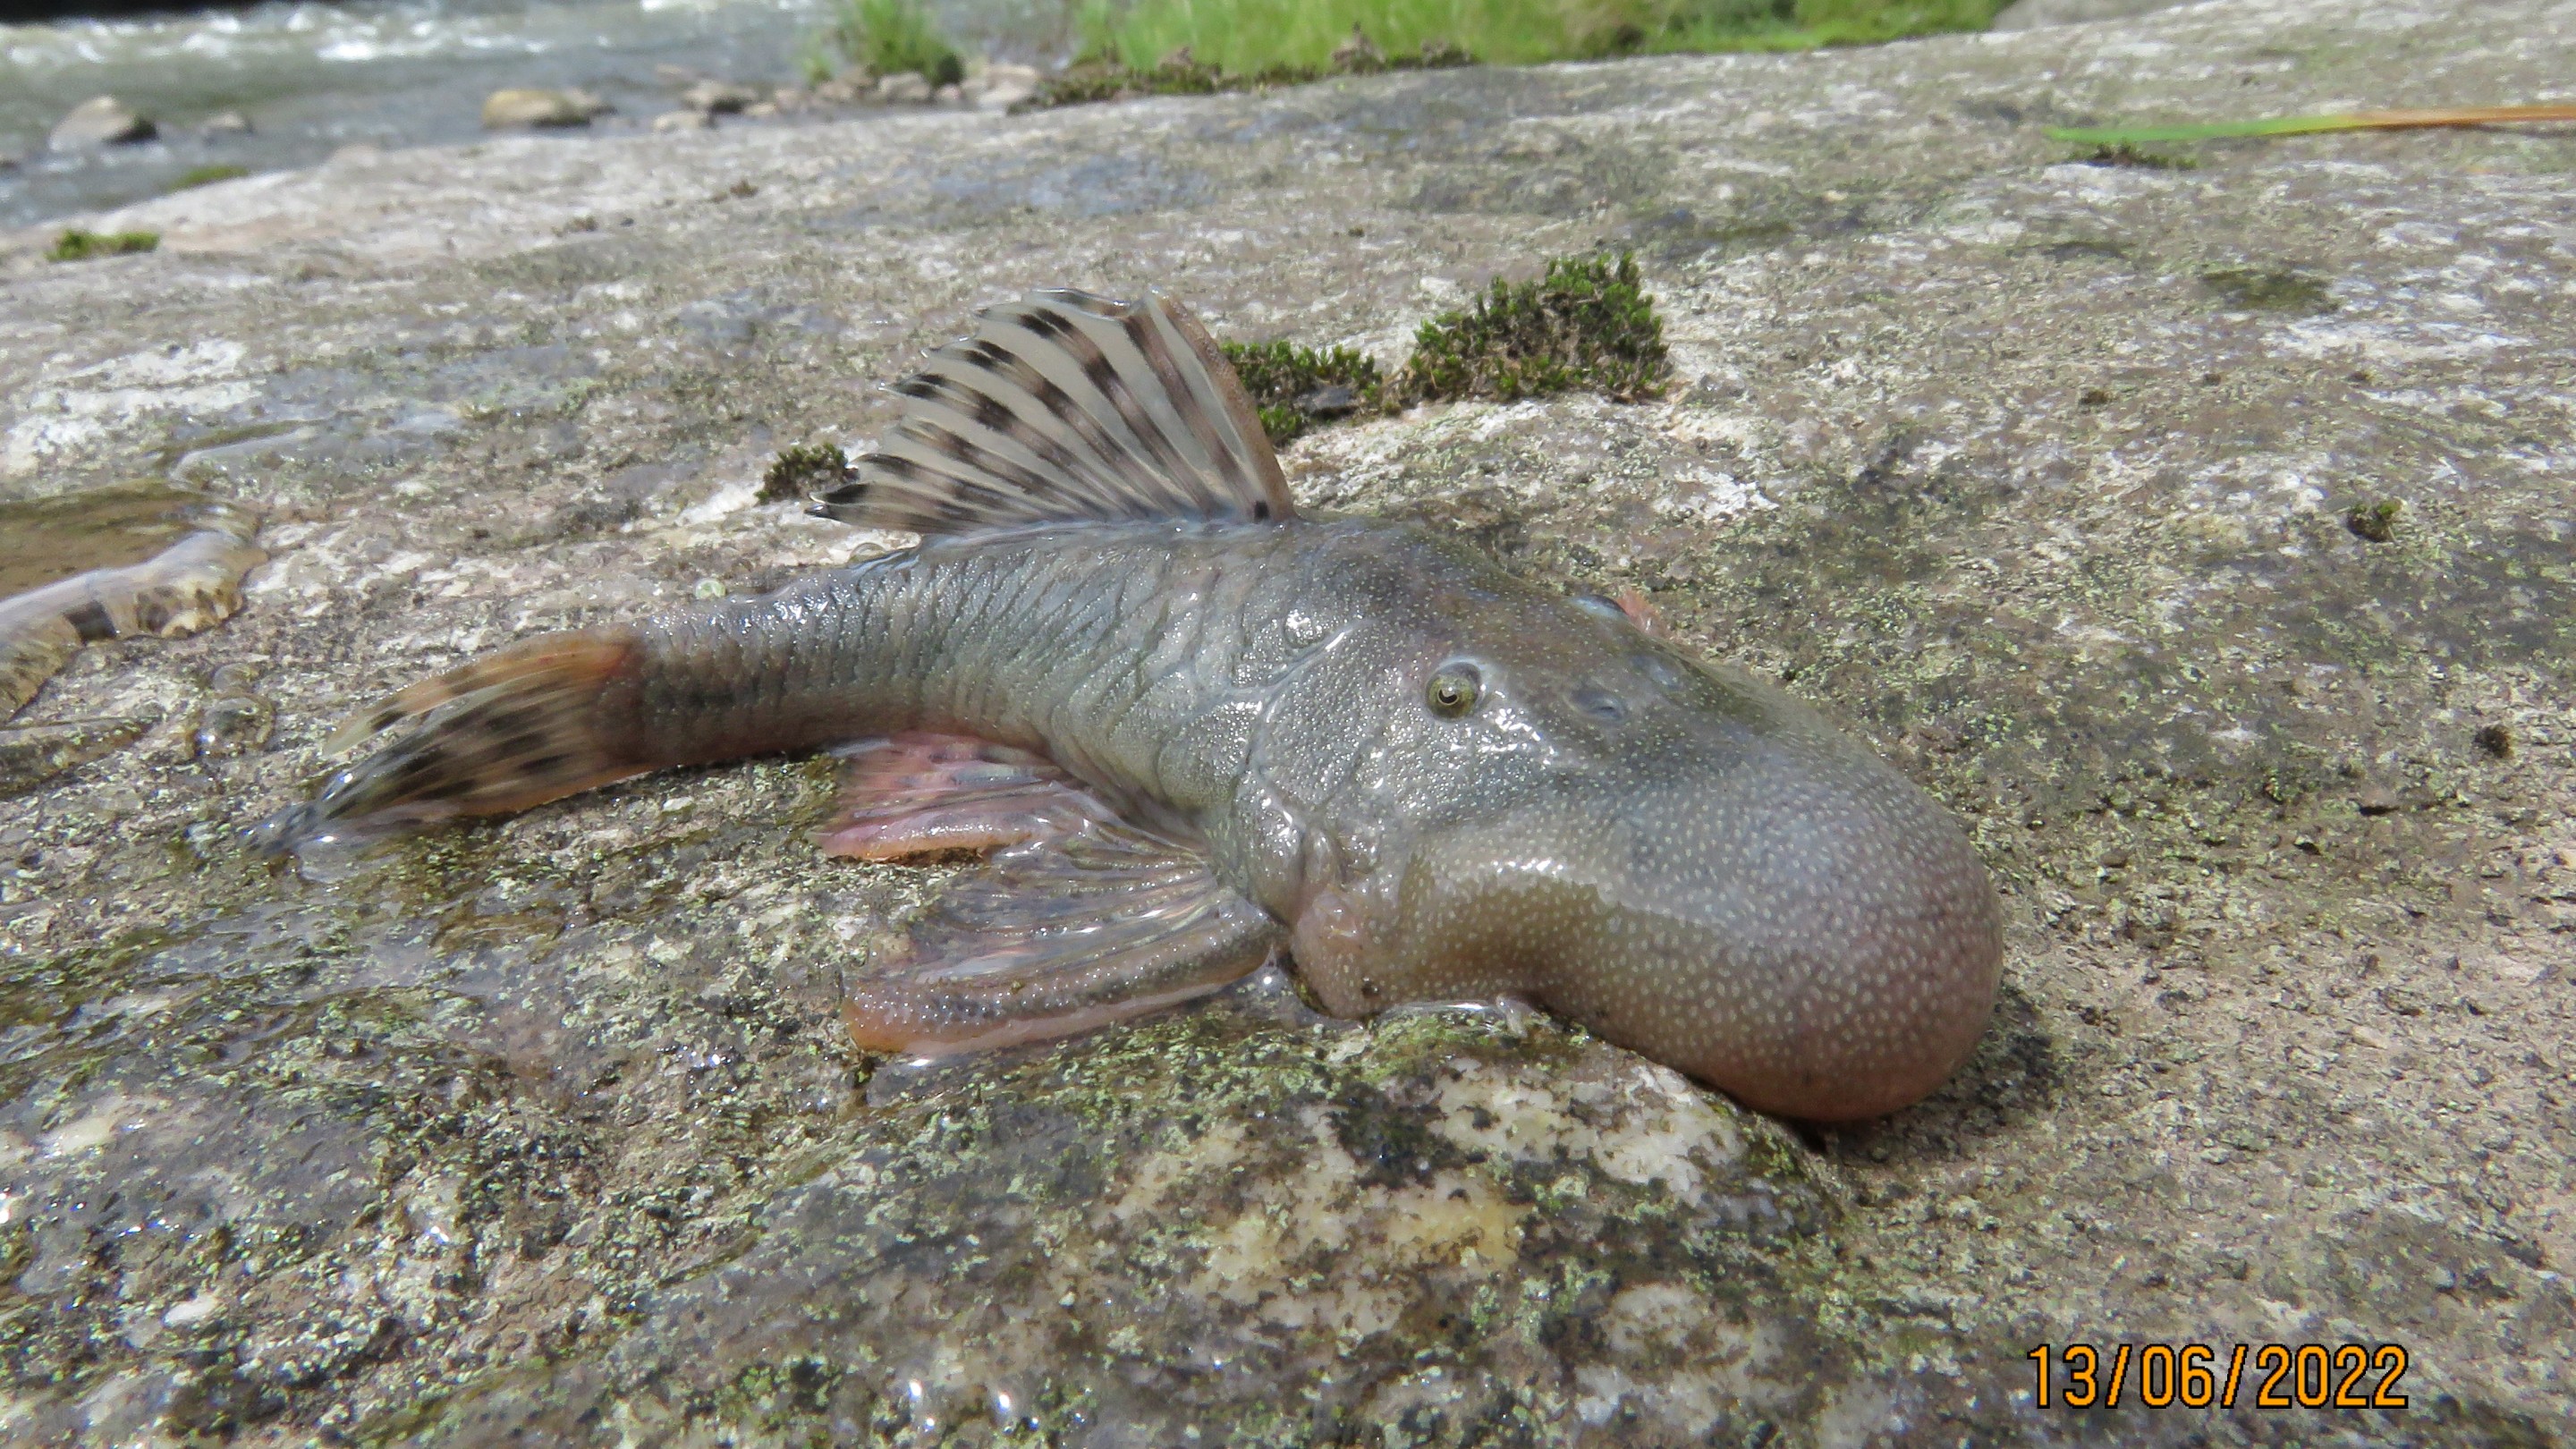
column 2040, row 474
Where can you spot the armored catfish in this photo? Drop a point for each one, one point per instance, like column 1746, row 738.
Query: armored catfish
column 1190, row 727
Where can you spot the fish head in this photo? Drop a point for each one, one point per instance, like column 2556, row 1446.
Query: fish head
column 1673, row 853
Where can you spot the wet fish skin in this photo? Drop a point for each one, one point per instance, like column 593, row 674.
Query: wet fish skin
column 1190, row 724
column 1675, row 855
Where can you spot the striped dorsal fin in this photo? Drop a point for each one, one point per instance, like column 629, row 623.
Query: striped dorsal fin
column 1067, row 406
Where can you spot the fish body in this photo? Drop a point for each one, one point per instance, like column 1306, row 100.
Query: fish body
column 1191, row 735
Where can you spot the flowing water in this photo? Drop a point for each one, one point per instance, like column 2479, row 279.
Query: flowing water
column 314, row 77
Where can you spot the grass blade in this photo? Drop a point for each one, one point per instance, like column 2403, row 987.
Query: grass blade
column 2308, row 125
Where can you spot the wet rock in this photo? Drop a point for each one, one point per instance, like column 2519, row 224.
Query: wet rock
column 525, row 108
column 718, row 98
column 32, row 755
column 850, row 88
column 548, row 1128
column 236, row 719
column 683, row 121
column 99, row 121
column 1229, row 1201
column 2037, row 14
column 224, row 124
column 909, row 87
column 1000, row 87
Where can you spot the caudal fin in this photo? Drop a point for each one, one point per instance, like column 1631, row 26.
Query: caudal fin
column 513, row 729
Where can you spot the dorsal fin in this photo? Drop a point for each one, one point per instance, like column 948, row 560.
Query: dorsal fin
column 1068, row 406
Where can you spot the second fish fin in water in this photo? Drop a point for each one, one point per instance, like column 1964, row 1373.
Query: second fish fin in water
column 1062, row 407
column 1078, row 920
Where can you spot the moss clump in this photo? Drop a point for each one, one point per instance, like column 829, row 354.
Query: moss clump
column 2268, row 289
column 208, row 175
column 804, row 471
column 2376, row 522
column 1102, row 76
column 1293, row 387
column 889, row 37
column 1587, row 324
column 77, row 245
column 2125, row 154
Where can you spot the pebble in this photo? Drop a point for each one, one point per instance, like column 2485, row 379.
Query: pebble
column 854, row 88
column 1005, row 86
column 908, row 87
column 99, row 121
column 683, row 121
column 719, row 98
column 224, row 123
column 518, row 107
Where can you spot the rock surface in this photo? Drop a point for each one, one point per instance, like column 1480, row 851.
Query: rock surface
column 519, row 108
column 909, row 87
column 2042, row 475
column 2033, row 14
column 99, row 121
column 718, row 98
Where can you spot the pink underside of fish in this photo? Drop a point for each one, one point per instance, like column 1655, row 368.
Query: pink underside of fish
column 1041, row 959
column 924, row 794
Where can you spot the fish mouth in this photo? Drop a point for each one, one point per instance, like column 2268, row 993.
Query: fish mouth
column 1828, row 951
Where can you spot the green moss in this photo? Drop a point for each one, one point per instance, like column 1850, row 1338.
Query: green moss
column 77, row 245
column 2268, row 289
column 803, row 471
column 2125, row 154
column 1587, row 324
column 1293, row 387
column 2376, row 522
column 889, row 37
column 208, row 175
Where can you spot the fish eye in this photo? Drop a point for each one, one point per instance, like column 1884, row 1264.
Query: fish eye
column 1453, row 689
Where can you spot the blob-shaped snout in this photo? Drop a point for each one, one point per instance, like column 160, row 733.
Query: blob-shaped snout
column 1805, row 930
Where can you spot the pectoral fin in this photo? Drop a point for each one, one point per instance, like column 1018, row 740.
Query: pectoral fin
column 1078, row 921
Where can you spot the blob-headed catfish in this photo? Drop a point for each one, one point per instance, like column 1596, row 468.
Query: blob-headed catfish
column 1191, row 728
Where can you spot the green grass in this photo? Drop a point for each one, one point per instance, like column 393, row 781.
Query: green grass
column 80, row 246
column 208, row 176
column 1246, row 37
column 888, row 37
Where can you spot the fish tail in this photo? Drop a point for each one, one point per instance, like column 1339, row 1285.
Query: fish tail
column 533, row 722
